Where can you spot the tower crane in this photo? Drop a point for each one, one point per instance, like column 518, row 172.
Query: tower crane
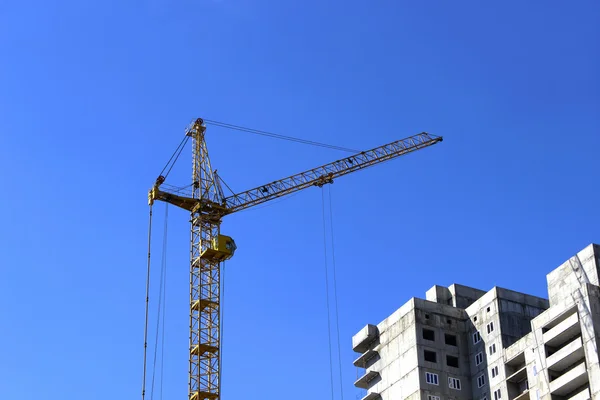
column 208, row 205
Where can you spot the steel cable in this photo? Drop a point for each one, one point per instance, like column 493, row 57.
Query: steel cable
column 278, row 136
column 335, row 296
column 147, row 304
column 327, row 291
column 176, row 152
column 221, row 328
column 161, row 295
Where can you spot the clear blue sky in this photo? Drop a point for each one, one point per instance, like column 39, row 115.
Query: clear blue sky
column 94, row 96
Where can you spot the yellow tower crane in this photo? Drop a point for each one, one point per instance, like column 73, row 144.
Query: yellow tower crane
column 208, row 205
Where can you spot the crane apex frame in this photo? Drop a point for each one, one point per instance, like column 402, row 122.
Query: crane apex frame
column 208, row 205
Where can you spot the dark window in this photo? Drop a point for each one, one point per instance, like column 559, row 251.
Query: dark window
column 452, row 361
column 488, row 309
column 450, row 339
column 475, row 319
column 431, row 378
column 480, row 381
column 426, row 316
column 428, row 334
column 449, row 321
column 478, row 358
column 430, row 356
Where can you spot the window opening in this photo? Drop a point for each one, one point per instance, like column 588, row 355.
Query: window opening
column 452, row 361
column 428, row 334
column 494, row 372
column 454, row 383
column 480, row 381
column 431, row 378
column 450, row 340
column 430, row 356
column 478, row 358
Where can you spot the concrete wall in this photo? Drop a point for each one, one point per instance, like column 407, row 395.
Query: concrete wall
column 439, row 294
column 510, row 313
column 564, row 279
column 516, row 310
column 464, row 296
column 455, row 295
column 397, row 349
column 589, row 312
column 442, row 319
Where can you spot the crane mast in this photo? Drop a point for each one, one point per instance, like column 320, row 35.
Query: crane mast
column 205, row 277
column 208, row 205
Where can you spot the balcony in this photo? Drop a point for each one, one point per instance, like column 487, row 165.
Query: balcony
column 372, row 396
column 365, row 381
column 567, row 356
column 366, row 358
column 523, row 396
column 363, row 339
column 583, row 395
column 515, row 363
column 569, row 381
column 518, row 376
column 517, row 385
column 563, row 332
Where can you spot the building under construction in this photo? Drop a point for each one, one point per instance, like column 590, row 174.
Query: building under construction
column 465, row 343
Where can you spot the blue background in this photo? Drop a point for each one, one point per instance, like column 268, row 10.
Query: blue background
column 94, row 96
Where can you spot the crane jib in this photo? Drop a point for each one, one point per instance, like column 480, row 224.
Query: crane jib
column 326, row 173
column 315, row 177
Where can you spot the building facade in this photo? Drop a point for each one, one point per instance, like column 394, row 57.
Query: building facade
column 464, row 343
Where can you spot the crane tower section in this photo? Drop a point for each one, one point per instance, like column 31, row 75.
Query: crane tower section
column 205, row 276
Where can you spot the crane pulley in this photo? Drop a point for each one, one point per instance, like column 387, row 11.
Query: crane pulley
column 208, row 205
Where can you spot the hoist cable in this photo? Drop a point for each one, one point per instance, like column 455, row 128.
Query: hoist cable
column 327, row 291
column 221, row 325
column 162, row 351
column 147, row 304
column 278, row 136
column 335, row 296
column 161, row 295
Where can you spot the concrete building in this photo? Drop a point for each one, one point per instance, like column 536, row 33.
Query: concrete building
column 464, row 343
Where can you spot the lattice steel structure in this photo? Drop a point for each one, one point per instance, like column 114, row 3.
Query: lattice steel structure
column 205, row 277
column 208, row 205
